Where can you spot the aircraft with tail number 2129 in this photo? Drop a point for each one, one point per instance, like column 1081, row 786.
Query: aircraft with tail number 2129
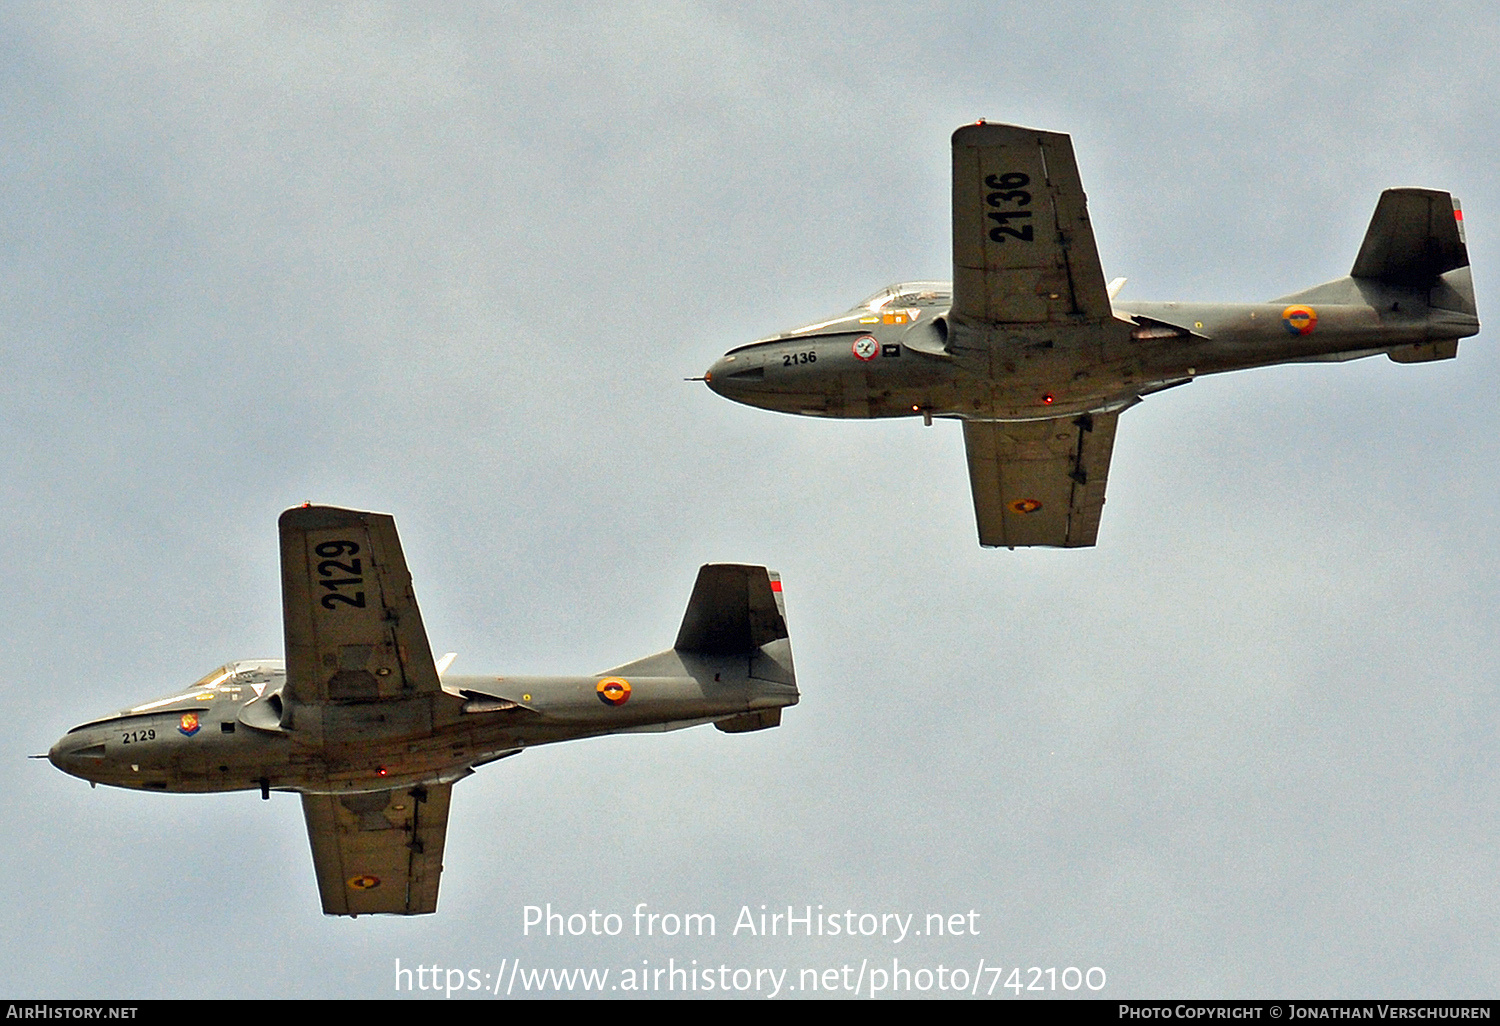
column 1032, row 351
column 373, row 733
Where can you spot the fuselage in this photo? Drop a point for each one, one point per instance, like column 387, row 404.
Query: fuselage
column 234, row 730
column 899, row 354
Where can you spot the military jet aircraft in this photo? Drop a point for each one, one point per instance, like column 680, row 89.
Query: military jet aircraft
column 1031, row 350
column 373, row 734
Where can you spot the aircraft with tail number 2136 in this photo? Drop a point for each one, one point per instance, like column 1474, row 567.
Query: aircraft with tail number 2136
column 373, row 733
column 1032, row 351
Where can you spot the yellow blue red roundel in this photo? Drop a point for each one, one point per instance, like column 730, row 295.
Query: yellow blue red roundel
column 613, row 691
column 364, row 883
column 1299, row 320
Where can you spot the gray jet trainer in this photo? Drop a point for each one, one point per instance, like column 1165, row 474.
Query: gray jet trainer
column 1029, row 349
column 373, row 733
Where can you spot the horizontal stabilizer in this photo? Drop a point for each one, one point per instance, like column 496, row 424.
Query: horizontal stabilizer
column 1415, row 235
column 760, row 719
column 735, row 609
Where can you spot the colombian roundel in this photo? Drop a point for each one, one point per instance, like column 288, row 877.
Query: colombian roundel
column 613, row 691
column 1299, row 320
column 1025, row 506
column 364, row 883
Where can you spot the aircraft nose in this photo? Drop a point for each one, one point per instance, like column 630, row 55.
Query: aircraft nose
column 715, row 375
column 734, row 375
column 76, row 756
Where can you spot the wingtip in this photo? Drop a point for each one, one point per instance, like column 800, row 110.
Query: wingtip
column 310, row 517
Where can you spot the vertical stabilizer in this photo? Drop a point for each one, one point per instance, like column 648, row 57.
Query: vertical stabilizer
column 735, row 610
column 1415, row 236
column 736, row 620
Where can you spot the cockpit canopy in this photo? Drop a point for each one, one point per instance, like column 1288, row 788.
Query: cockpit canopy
column 243, row 671
column 903, row 295
column 910, row 293
column 255, row 674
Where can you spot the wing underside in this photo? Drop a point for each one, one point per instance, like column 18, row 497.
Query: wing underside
column 1023, row 248
column 353, row 631
column 380, row 851
column 1039, row 482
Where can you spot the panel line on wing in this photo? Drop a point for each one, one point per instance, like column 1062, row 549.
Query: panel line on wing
column 1039, row 482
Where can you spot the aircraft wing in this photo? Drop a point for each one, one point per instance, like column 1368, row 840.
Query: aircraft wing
column 353, row 632
column 1039, row 482
column 1023, row 248
column 380, row 851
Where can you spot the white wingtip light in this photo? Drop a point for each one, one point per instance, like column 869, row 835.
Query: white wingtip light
column 445, row 662
column 1114, row 287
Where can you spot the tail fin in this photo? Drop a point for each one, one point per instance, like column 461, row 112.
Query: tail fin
column 1415, row 236
column 734, row 630
column 1414, row 268
column 1416, row 241
column 735, row 610
column 736, row 624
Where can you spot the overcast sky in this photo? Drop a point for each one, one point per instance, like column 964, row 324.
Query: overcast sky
column 454, row 262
